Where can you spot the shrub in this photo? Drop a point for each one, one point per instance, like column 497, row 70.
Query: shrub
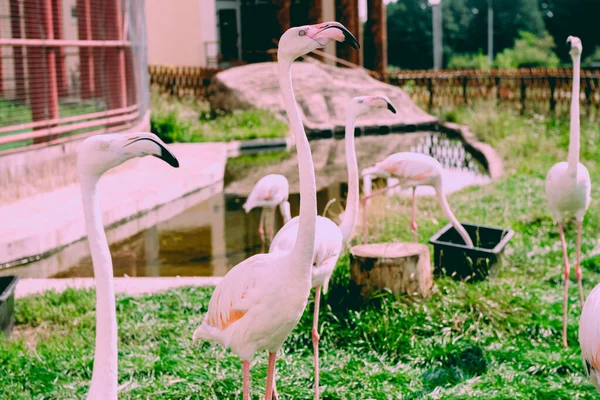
column 469, row 61
column 529, row 51
column 593, row 60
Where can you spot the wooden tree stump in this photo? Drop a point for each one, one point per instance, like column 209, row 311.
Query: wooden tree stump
column 400, row 267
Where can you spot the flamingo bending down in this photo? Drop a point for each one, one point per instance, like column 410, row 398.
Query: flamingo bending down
column 411, row 170
column 331, row 238
column 568, row 185
column 589, row 336
column 98, row 154
column 260, row 300
column 269, row 192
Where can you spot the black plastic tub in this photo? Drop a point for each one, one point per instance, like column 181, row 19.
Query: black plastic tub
column 7, row 303
column 453, row 258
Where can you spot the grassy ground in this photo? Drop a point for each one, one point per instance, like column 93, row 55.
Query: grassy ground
column 496, row 339
column 192, row 120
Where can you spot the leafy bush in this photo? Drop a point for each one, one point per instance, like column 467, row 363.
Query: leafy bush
column 529, row 51
column 469, row 61
column 593, row 60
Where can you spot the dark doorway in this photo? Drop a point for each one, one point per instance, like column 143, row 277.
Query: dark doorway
column 229, row 34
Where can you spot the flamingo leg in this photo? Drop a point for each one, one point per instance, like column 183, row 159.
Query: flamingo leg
column 364, row 203
column 270, row 376
column 272, row 227
column 413, row 223
column 246, row 381
column 578, row 265
column 261, row 230
column 315, row 339
column 566, row 291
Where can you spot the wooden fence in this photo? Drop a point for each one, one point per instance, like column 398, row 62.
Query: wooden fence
column 181, row 81
column 540, row 90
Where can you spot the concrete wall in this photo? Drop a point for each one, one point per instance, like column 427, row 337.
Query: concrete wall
column 176, row 34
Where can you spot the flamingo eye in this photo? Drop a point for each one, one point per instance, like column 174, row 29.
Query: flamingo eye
column 302, row 33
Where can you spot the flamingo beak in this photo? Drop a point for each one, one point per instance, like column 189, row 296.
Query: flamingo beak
column 334, row 31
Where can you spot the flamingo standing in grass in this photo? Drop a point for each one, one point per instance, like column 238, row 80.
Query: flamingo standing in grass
column 330, row 238
column 411, row 170
column 260, row 300
column 568, row 186
column 269, row 192
column 98, row 154
column 589, row 336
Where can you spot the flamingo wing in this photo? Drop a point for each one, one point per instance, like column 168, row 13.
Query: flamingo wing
column 236, row 293
column 589, row 336
column 410, row 168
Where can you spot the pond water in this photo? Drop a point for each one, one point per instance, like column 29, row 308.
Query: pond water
column 211, row 236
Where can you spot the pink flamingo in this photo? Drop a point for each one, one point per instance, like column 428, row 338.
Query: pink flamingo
column 269, row 192
column 96, row 155
column 568, row 185
column 260, row 300
column 589, row 336
column 411, row 170
column 330, row 238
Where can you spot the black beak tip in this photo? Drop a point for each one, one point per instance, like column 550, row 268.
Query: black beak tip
column 391, row 108
column 169, row 158
column 350, row 39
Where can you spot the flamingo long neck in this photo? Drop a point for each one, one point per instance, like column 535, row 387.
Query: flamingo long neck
column 303, row 249
column 347, row 224
column 450, row 215
column 105, row 372
column 573, row 159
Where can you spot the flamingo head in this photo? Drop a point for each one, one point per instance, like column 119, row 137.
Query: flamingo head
column 97, row 154
column 576, row 46
column 298, row 41
column 363, row 104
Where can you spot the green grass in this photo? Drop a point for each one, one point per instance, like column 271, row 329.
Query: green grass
column 496, row 339
column 14, row 113
column 191, row 120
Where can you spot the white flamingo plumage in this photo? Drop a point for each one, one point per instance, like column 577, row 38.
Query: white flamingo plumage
column 271, row 191
column 568, row 186
column 589, row 336
column 411, row 170
column 330, row 238
column 96, row 155
column 260, row 300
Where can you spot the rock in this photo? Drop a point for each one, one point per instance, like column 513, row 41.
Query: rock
column 322, row 92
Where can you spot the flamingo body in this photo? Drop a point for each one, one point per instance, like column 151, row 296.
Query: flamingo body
column 328, row 246
column 270, row 191
column 568, row 194
column 410, row 169
column 589, row 336
column 249, row 312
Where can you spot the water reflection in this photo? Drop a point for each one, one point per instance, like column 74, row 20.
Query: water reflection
column 205, row 240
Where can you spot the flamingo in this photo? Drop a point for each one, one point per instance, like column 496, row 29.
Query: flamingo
column 98, row 154
column 269, row 192
column 411, row 170
column 589, row 336
column 568, row 185
column 330, row 238
column 260, row 300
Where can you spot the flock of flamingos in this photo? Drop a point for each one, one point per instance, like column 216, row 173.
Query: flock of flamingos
column 260, row 301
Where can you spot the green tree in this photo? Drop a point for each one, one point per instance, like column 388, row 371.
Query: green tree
column 529, row 51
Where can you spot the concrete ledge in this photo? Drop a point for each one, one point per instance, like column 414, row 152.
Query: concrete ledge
column 42, row 224
column 127, row 285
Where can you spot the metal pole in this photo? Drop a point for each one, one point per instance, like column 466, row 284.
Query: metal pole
column 491, row 31
column 436, row 8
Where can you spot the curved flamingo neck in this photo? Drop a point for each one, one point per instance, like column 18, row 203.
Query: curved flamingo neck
column 450, row 215
column 347, row 224
column 305, row 241
column 105, row 372
column 574, row 132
